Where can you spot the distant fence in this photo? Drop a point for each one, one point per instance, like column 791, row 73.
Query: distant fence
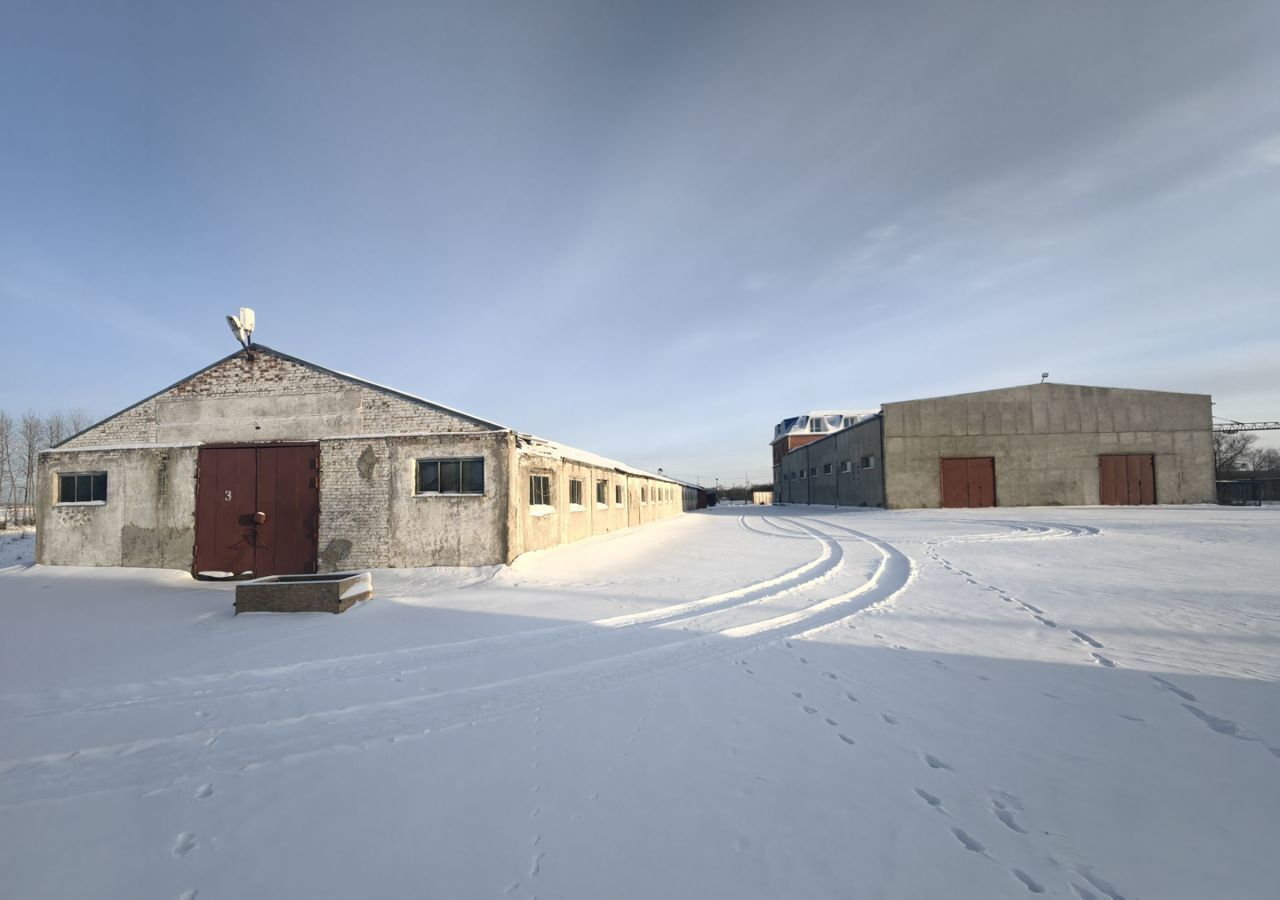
column 1249, row 491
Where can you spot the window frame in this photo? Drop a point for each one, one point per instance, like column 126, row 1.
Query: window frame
column 545, row 492
column 438, row 462
column 602, row 492
column 827, row 468
column 868, row 462
column 92, row 475
column 618, row 494
column 576, row 483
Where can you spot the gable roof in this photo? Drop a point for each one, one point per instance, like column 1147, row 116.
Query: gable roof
column 530, row 441
column 263, row 348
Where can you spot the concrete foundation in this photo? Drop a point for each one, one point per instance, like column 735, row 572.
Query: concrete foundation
column 304, row 593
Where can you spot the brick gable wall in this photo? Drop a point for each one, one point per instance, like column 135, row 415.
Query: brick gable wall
column 232, row 400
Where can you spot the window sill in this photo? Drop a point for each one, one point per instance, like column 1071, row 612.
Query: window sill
column 447, row 494
column 542, row 510
column 602, row 506
column 576, row 507
column 81, row 503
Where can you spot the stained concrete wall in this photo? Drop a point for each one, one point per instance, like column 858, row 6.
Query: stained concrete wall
column 449, row 530
column 539, row 528
column 372, row 516
column 148, row 519
column 1046, row 440
column 802, row 476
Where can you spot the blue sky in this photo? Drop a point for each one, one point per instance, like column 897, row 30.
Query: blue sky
column 647, row 229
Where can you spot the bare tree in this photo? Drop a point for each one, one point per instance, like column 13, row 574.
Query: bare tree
column 8, row 481
column 1229, row 450
column 77, row 421
column 1262, row 459
column 55, row 428
column 31, row 440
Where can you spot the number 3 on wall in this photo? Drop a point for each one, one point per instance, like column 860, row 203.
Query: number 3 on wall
column 227, row 497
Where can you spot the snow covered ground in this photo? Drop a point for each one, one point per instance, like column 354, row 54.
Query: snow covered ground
column 748, row 702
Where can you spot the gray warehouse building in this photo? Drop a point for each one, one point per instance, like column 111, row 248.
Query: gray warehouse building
column 269, row 464
column 1034, row 445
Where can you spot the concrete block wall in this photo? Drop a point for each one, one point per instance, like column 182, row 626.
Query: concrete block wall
column 148, row 519
column 371, row 515
column 448, row 530
column 355, row 499
column 1046, row 440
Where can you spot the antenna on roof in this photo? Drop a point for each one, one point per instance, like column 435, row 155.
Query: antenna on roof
column 1043, row 375
column 242, row 327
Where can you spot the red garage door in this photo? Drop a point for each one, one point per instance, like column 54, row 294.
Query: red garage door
column 257, row 510
column 969, row 482
column 1127, row 480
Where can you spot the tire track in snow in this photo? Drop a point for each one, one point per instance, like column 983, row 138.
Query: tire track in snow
column 411, row 660
column 169, row 758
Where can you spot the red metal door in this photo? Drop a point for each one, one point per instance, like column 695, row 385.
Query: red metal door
column 289, row 496
column 1109, row 482
column 1127, row 479
column 982, row 481
column 226, row 494
column 955, row 486
column 968, row 482
column 237, row 487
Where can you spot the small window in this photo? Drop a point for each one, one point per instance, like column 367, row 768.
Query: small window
column 539, row 490
column 602, row 492
column 450, row 476
column 868, row 462
column 644, row 494
column 617, row 495
column 575, row 491
column 846, row 465
column 802, row 473
column 813, row 471
column 826, row 468
column 473, row 476
column 85, row 487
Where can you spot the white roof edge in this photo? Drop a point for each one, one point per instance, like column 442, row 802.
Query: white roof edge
column 327, row 437
column 178, row 446
column 592, row 459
